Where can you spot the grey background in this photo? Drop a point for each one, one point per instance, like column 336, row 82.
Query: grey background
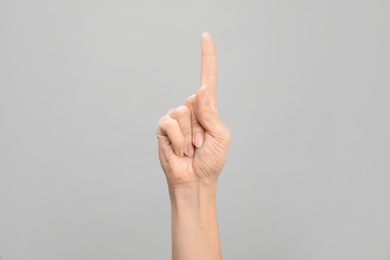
column 303, row 85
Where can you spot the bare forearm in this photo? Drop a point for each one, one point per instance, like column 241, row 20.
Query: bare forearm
column 194, row 223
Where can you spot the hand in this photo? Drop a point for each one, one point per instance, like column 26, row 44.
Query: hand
column 192, row 140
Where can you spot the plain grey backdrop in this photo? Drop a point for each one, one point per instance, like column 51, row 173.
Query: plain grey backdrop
column 303, row 85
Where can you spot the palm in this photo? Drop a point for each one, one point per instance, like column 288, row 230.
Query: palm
column 207, row 161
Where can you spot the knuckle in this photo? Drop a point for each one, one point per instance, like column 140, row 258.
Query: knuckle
column 227, row 134
column 159, row 126
column 188, row 136
column 170, row 124
column 190, row 99
column 171, row 111
column 195, row 125
column 183, row 110
column 210, row 73
column 160, row 121
column 179, row 112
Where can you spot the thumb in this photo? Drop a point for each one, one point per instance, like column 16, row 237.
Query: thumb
column 206, row 111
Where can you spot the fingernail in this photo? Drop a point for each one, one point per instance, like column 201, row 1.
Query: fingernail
column 198, row 140
column 190, row 150
column 205, row 34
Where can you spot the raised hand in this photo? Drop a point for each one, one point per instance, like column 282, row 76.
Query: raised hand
column 192, row 139
column 193, row 144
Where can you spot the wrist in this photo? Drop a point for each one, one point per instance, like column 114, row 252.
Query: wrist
column 193, row 207
column 194, row 221
column 201, row 190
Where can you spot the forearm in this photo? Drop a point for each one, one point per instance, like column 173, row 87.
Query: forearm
column 194, row 223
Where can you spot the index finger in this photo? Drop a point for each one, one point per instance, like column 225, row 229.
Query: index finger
column 209, row 70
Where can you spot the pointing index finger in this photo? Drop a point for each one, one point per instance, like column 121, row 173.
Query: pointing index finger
column 209, row 70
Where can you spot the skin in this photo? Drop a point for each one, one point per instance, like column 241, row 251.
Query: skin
column 193, row 144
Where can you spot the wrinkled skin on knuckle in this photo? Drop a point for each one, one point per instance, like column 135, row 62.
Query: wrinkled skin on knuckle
column 159, row 126
column 210, row 73
column 170, row 125
column 195, row 124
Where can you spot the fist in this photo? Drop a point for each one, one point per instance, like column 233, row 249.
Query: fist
column 192, row 140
